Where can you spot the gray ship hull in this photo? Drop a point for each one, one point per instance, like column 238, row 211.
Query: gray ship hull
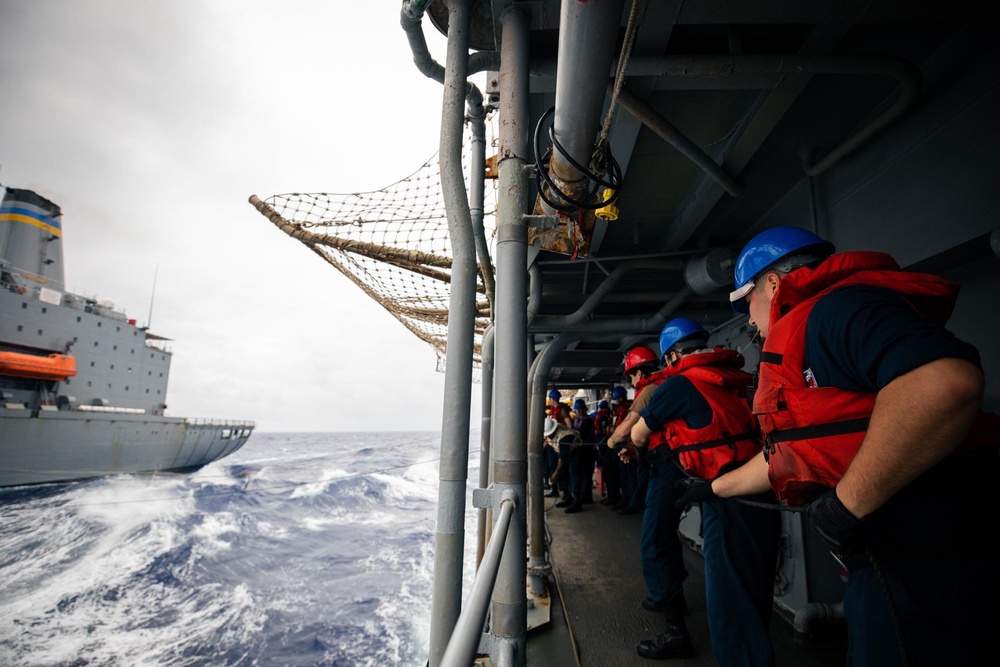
column 58, row 446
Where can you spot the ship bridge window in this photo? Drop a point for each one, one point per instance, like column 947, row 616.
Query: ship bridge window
column 99, row 323
column 20, row 328
column 45, row 310
column 79, row 319
column 24, row 305
column 226, row 434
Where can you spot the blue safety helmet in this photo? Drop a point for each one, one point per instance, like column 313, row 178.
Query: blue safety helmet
column 603, row 405
column 677, row 330
column 580, row 405
column 555, row 395
column 619, row 393
column 765, row 250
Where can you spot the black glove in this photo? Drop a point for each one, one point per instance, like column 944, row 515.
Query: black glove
column 835, row 524
column 694, row 490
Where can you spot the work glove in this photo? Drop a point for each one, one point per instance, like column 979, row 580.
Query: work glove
column 835, row 524
column 694, row 490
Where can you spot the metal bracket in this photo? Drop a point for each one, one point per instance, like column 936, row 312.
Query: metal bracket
column 541, row 221
column 543, row 570
column 482, row 498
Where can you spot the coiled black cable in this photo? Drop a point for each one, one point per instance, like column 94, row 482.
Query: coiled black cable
column 602, row 160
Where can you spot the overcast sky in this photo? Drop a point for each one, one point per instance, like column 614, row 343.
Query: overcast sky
column 151, row 123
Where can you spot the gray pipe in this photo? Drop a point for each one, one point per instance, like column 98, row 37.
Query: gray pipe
column 508, row 622
column 657, row 123
column 449, row 548
column 477, row 189
column 484, row 437
column 462, row 648
column 539, row 373
column 534, row 291
column 588, row 32
column 410, row 19
column 587, row 36
column 723, row 66
column 587, row 308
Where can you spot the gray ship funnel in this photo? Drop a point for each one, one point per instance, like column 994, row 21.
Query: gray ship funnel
column 30, row 241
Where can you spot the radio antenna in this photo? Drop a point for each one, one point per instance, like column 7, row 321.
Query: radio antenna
column 149, row 320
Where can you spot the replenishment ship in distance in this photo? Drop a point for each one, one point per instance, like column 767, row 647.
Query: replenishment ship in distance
column 83, row 389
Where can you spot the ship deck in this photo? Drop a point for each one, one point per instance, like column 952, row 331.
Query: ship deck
column 597, row 586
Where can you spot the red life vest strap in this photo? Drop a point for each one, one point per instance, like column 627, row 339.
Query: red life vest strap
column 718, row 442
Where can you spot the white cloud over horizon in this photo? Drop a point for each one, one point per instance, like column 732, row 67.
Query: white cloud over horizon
column 151, row 124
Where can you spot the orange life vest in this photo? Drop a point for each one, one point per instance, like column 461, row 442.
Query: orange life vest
column 621, row 411
column 732, row 435
column 812, row 433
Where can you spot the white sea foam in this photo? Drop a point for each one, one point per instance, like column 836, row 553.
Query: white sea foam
column 212, row 568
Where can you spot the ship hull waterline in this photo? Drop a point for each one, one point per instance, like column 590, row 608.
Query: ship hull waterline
column 62, row 446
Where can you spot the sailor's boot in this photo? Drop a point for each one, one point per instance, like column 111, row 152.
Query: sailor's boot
column 674, row 643
column 567, row 500
column 575, row 506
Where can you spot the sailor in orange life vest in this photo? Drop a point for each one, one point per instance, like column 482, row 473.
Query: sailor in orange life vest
column 871, row 413
column 698, row 419
column 641, row 369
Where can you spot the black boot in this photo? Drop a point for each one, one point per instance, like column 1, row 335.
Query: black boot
column 567, row 500
column 674, row 643
column 575, row 506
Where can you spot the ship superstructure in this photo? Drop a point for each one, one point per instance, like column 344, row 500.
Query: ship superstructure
column 82, row 387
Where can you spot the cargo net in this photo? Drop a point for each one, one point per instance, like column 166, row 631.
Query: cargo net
column 393, row 243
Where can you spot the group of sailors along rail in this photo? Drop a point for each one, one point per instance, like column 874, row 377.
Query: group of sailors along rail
column 864, row 414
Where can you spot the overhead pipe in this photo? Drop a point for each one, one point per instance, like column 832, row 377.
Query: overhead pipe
column 411, row 19
column 449, row 544
column 703, row 274
column 587, row 308
column 724, row 66
column 649, row 117
column 720, row 67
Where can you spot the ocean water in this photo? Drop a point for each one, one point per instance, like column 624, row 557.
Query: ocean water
column 298, row 549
